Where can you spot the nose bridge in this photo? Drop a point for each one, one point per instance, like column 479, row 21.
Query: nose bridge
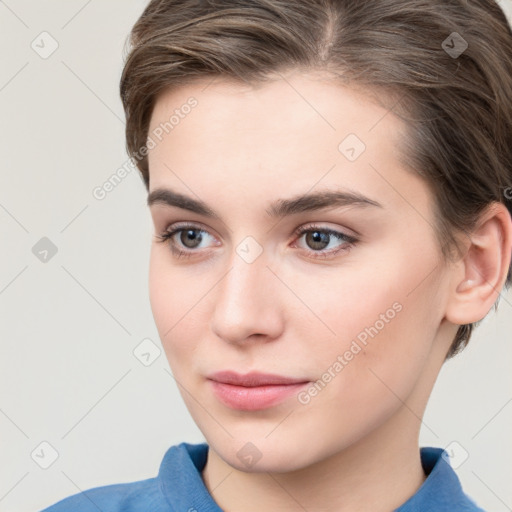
column 245, row 301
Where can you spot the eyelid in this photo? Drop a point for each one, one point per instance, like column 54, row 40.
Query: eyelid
column 348, row 233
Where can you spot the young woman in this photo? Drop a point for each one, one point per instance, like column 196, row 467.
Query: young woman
column 330, row 186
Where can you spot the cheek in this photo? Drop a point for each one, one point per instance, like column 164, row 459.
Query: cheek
column 371, row 367
column 176, row 304
column 165, row 291
column 382, row 322
column 160, row 292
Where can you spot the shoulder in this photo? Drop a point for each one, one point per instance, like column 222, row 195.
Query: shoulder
column 178, row 480
column 126, row 497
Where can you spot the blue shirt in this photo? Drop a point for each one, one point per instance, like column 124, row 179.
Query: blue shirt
column 180, row 488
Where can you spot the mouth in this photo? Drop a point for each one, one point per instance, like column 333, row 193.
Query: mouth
column 255, row 390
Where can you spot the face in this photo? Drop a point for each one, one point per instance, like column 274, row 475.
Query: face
column 345, row 296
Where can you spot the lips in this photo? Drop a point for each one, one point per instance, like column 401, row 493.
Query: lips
column 254, row 391
column 254, row 379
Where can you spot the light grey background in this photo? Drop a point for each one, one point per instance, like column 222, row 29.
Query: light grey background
column 69, row 326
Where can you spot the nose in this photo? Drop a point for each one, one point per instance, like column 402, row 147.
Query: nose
column 247, row 302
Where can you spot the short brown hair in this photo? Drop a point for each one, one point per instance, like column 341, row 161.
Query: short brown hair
column 457, row 104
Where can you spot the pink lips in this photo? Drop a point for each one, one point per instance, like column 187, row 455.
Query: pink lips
column 254, row 390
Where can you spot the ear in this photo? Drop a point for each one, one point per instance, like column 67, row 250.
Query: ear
column 481, row 274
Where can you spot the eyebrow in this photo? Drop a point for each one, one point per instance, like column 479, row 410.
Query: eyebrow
column 280, row 208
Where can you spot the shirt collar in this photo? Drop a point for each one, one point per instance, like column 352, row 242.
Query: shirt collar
column 180, row 478
column 441, row 491
column 182, row 485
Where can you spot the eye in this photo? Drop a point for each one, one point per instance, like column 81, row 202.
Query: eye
column 318, row 238
column 190, row 237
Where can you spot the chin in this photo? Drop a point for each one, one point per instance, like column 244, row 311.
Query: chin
column 261, row 455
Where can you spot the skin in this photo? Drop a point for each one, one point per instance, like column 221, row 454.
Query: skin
column 354, row 446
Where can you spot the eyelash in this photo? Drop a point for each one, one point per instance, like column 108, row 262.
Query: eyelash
column 179, row 253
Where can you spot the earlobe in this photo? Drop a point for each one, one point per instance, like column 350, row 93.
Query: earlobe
column 484, row 267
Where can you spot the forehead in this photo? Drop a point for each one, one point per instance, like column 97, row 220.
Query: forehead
column 277, row 105
column 287, row 135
